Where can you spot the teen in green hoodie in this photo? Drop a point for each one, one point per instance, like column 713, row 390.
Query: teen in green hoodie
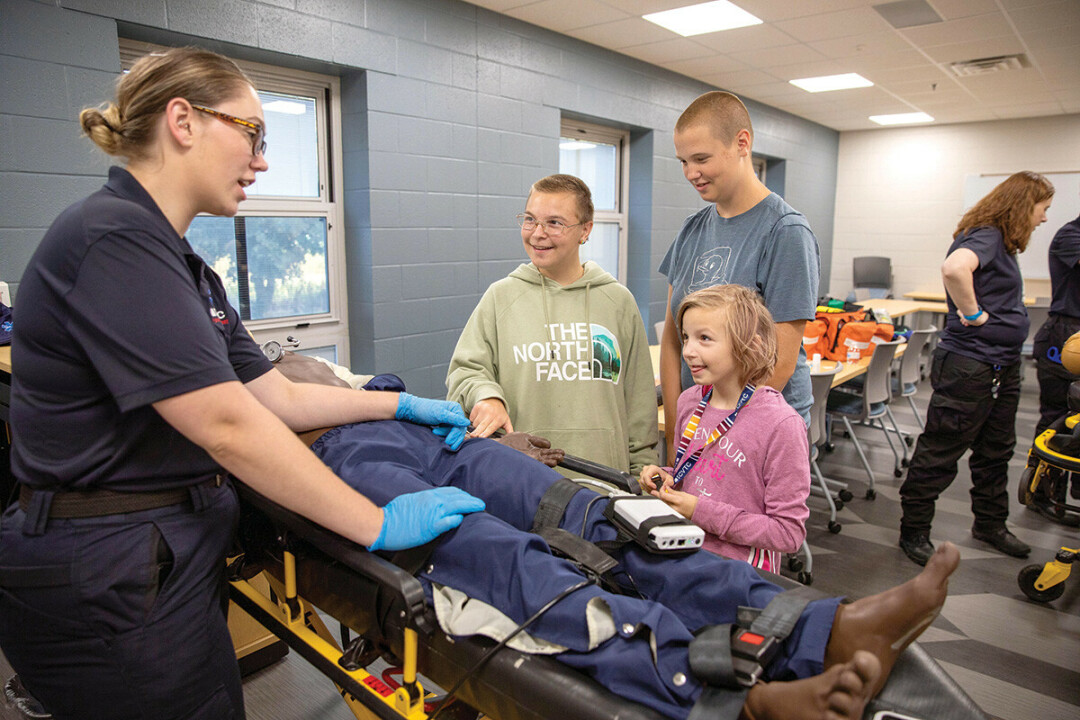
column 558, row 348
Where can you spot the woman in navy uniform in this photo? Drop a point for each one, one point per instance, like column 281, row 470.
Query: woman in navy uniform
column 135, row 386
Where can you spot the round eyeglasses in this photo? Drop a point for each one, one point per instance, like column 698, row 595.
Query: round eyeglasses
column 553, row 228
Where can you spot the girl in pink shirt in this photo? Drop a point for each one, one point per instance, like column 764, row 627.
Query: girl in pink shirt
column 742, row 468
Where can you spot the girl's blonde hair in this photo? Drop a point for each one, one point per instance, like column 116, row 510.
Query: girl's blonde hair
column 748, row 324
column 125, row 128
column 1009, row 207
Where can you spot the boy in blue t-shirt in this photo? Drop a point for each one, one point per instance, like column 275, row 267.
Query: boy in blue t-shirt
column 747, row 236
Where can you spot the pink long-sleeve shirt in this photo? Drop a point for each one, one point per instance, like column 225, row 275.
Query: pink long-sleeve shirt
column 752, row 482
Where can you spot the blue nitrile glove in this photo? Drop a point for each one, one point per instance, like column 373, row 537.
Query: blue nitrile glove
column 454, row 435
column 416, row 518
column 425, row 411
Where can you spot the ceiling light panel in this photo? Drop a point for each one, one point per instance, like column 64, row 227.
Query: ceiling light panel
column 828, row 83
column 901, row 118
column 703, row 18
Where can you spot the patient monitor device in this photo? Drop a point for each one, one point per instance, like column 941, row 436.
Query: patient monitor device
column 652, row 524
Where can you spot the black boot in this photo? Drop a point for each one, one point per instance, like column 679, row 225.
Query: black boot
column 917, row 546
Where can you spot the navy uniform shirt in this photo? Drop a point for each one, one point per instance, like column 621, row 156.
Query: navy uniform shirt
column 117, row 312
column 1064, row 273
column 998, row 288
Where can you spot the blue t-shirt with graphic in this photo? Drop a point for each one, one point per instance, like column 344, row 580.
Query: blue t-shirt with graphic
column 769, row 248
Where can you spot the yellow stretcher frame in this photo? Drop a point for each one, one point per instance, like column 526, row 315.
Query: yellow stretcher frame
column 296, row 622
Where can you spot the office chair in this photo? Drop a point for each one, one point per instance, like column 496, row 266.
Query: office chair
column 873, row 273
column 869, row 406
column 910, row 372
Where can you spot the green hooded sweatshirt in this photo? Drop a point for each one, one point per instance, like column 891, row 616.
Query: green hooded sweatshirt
column 571, row 363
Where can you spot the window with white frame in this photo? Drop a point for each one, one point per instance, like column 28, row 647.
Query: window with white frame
column 282, row 256
column 600, row 156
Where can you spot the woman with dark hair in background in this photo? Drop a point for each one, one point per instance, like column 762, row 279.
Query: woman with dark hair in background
column 976, row 368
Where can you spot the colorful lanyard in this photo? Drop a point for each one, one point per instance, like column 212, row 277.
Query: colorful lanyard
column 692, row 425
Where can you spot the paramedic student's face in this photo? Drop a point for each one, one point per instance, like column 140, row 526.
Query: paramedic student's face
column 1038, row 214
column 556, row 257
column 228, row 164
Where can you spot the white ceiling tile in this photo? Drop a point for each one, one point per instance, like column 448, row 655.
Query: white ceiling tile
column 644, row 7
column 747, row 38
column 1061, row 37
column 810, row 69
column 887, row 62
column 1028, row 110
column 835, row 24
column 709, row 64
column 953, row 9
column 499, row 5
column 1047, row 17
column 975, row 49
column 962, row 30
column 746, row 78
column 622, row 33
column 784, row 55
column 860, row 45
column 662, row 53
column 563, row 15
column 773, row 11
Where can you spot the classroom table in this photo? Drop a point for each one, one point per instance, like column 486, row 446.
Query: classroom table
column 898, row 308
column 940, row 297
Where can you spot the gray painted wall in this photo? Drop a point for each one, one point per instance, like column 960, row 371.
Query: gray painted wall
column 449, row 113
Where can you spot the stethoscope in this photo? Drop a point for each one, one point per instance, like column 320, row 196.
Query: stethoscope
column 273, row 350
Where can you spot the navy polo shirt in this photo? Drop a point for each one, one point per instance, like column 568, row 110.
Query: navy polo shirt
column 1064, row 274
column 999, row 290
column 117, row 312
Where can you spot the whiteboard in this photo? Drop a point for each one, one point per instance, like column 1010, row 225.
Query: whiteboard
column 1065, row 207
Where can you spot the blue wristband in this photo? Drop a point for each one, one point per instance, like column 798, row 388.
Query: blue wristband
column 973, row 318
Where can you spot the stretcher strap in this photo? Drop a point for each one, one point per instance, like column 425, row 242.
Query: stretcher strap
column 780, row 615
column 719, row 704
column 549, row 512
column 578, row 549
column 710, row 657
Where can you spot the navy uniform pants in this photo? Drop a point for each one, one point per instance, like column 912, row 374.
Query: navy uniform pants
column 965, row 412
column 123, row 616
column 492, row 558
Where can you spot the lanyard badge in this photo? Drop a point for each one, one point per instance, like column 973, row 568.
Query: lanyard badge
column 682, row 469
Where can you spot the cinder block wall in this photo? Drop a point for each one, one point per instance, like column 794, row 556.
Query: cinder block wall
column 450, row 112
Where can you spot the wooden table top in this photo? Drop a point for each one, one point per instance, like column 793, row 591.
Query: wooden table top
column 898, row 308
column 940, row 297
column 5, row 358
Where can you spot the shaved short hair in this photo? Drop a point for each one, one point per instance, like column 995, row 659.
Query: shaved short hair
column 723, row 112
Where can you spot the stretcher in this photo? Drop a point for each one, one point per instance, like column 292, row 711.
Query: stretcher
column 309, row 567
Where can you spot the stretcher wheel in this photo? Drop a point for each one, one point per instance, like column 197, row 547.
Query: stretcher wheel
column 897, row 472
column 846, row 495
column 1023, row 490
column 1026, row 580
column 794, row 563
column 909, row 440
column 806, row 578
column 904, row 463
column 839, row 505
column 834, row 527
column 871, row 493
column 829, row 447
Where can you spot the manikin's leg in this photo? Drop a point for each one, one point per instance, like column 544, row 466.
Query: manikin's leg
column 385, row 459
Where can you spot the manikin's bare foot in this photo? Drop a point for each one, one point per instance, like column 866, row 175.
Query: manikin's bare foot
column 839, row 693
column 888, row 622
